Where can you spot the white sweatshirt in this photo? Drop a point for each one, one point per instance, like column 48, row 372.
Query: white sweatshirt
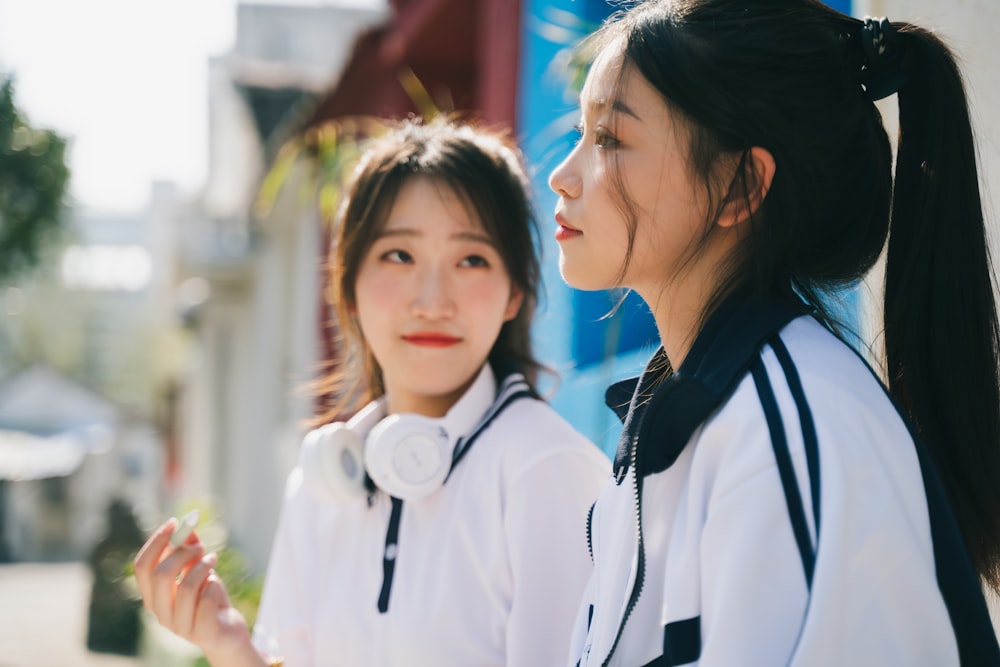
column 735, row 564
column 488, row 570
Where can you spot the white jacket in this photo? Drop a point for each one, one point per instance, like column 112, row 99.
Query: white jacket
column 787, row 516
column 488, row 570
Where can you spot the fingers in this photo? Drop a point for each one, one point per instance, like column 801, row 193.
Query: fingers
column 158, row 569
column 212, row 601
column 191, row 592
column 149, row 557
column 181, row 589
column 216, row 621
column 164, row 584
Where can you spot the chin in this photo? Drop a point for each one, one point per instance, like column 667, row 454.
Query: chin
column 577, row 277
column 438, row 387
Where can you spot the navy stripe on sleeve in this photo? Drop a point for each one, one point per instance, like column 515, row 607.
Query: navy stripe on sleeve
column 809, row 439
column 785, row 469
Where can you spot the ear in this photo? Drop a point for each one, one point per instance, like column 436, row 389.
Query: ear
column 758, row 172
column 513, row 304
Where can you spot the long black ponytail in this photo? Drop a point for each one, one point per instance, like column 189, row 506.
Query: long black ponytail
column 941, row 332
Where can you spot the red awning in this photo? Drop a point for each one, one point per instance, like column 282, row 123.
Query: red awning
column 464, row 53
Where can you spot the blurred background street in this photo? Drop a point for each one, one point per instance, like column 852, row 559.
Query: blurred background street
column 43, row 617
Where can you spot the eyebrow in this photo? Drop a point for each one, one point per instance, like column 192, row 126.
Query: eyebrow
column 476, row 237
column 616, row 105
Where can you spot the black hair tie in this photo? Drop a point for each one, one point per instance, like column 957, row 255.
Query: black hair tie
column 882, row 72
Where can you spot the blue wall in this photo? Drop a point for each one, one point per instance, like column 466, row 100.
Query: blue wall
column 573, row 332
column 570, row 334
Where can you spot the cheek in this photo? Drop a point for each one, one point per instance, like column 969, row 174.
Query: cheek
column 609, row 210
column 376, row 288
column 674, row 193
column 370, row 320
column 648, row 184
column 669, row 200
column 604, row 185
column 488, row 299
column 376, row 300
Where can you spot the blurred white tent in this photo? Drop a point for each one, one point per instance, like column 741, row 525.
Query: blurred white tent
column 48, row 424
column 65, row 453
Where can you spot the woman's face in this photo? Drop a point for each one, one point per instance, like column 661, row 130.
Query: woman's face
column 431, row 296
column 629, row 139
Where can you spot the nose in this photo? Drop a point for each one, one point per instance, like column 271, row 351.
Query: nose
column 433, row 298
column 564, row 179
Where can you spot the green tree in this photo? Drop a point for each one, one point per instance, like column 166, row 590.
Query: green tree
column 33, row 181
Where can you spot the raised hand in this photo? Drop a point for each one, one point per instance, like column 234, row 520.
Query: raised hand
column 182, row 590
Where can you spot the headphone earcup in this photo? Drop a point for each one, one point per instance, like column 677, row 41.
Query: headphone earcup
column 332, row 462
column 407, row 455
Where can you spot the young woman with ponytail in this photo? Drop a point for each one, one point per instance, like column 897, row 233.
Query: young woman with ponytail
column 774, row 502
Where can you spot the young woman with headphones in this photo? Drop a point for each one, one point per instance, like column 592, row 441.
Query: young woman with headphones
column 443, row 523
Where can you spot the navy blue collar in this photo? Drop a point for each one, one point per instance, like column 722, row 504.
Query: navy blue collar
column 663, row 412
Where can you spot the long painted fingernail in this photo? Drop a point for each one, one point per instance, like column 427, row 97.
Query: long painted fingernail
column 184, row 528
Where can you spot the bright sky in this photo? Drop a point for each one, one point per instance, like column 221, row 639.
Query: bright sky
column 125, row 80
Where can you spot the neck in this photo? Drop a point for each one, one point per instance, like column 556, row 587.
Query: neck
column 403, row 400
column 678, row 325
column 679, row 302
column 679, row 311
column 428, row 406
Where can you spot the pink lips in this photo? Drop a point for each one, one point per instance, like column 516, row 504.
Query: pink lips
column 431, row 339
column 565, row 231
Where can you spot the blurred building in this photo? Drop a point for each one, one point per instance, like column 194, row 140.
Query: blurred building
column 248, row 287
column 87, row 359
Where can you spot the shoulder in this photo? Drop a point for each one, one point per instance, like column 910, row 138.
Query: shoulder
column 298, row 500
column 530, row 433
column 807, row 367
column 533, row 425
column 807, row 379
column 838, row 387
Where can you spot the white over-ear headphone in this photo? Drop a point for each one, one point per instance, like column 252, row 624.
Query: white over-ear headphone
column 405, row 455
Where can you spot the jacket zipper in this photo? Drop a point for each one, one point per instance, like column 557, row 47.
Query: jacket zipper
column 590, row 534
column 641, row 561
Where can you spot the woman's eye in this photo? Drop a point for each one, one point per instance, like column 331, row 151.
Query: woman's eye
column 474, row 261
column 397, row 257
column 604, row 139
